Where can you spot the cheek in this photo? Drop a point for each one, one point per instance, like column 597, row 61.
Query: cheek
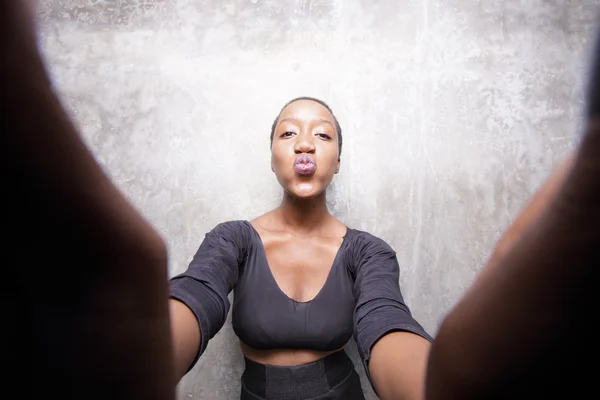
column 330, row 162
column 278, row 161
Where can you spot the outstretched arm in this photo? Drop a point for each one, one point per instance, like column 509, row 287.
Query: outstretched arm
column 519, row 331
column 86, row 277
column 392, row 344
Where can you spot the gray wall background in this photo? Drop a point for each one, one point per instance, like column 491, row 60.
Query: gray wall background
column 454, row 113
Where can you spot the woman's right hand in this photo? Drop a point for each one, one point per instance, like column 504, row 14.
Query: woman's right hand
column 86, row 274
column 17, row 20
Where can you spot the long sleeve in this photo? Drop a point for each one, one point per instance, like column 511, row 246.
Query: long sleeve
column 210, row 277
column 380, row 308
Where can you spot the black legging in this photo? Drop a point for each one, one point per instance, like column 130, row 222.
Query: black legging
column 331, row 378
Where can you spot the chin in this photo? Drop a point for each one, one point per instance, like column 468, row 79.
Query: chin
column 305, row 190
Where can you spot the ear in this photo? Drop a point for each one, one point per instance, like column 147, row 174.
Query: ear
column 337, row 167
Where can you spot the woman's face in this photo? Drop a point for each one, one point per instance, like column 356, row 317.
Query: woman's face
column 304, row 154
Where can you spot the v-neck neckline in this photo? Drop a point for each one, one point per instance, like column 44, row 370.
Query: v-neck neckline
column 276, row 284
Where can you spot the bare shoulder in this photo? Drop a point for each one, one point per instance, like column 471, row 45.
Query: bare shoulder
column 265, row 222
column 338, row 228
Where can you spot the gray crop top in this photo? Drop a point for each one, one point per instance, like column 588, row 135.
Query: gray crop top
column 361, row 295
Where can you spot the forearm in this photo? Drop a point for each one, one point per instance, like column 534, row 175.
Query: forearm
column 185, row 335
column 398, row 365
column 526, row 306
column 521, row 321
column 89, row 282
column 41, row 143
column 528, row 216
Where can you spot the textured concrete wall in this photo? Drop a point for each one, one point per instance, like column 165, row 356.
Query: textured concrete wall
column 454, row 112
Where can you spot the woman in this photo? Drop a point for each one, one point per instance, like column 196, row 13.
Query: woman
column 87, row 310
column 303, row 281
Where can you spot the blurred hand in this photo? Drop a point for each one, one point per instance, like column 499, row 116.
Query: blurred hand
column 519, row 331
column 85, row 274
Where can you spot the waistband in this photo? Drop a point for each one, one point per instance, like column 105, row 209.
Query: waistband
column 297, row 382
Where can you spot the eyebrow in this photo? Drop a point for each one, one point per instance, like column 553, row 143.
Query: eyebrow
column 325, row 121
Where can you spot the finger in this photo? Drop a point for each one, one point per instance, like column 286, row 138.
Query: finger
column 17, row 23
column 594, row 87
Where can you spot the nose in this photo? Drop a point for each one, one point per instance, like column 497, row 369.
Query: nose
column 304, row 144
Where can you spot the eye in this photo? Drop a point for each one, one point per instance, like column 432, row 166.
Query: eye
column 286, row 134
column 324, row 136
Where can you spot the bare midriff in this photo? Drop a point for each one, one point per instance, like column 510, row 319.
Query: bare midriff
column 285, row 357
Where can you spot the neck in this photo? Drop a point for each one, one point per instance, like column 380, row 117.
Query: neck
column 304, row 216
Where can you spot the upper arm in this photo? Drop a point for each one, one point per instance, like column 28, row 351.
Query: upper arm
column 392, row 344
column 203, row 288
